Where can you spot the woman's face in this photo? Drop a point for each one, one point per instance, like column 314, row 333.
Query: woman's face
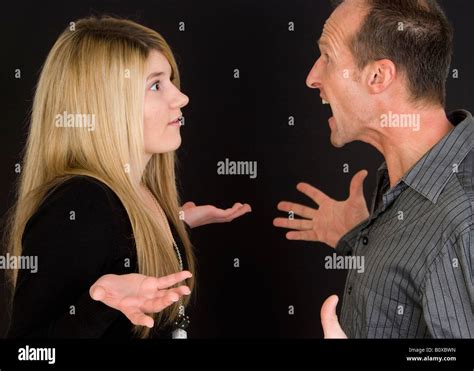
column 163, row 102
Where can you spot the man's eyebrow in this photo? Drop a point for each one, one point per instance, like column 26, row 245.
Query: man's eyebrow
column 321, row 42
column 154, row 74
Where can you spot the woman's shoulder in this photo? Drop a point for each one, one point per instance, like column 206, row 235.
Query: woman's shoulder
column 82, row 187
column 81, row 214
column 81, row 201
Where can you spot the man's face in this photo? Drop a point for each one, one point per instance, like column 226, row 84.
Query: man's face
column 336, row 75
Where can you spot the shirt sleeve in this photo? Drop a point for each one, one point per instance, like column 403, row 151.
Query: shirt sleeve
column 73, row 238
column 448, row 295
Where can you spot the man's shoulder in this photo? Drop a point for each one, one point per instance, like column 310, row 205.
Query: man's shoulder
column 465, row 175
column 456, row 203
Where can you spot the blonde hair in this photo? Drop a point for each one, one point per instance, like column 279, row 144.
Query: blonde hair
column 97, row 67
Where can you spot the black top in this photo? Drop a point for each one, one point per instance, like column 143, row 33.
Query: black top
column 79, row 233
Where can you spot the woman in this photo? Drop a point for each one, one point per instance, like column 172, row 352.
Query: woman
column 97, row 202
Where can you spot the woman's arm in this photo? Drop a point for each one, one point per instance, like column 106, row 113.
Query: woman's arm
column 75, row 237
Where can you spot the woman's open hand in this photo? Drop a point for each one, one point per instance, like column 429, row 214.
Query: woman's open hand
column 136, row 294
column 195, row 216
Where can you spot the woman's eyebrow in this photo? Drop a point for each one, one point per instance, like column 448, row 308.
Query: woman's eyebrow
column 154, row 74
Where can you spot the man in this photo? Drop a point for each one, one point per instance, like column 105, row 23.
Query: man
column 383, row 69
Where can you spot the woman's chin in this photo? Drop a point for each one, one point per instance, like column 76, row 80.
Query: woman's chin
column 175, row 145
column 170, row 146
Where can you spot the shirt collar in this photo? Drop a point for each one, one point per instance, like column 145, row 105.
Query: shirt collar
column 431, row 173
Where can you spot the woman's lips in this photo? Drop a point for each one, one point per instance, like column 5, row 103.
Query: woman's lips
column 175, row 122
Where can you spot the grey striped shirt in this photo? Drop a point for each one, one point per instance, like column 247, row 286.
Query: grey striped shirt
column 418, row 248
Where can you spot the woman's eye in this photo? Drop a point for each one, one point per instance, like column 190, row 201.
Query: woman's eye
column 155, row 86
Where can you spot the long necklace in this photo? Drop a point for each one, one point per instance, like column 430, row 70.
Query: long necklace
column 182, row 322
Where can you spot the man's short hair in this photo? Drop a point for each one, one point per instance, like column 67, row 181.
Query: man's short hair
column 415, row 35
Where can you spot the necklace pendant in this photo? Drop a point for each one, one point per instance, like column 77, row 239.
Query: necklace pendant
column 181, row 324
column 179, row 333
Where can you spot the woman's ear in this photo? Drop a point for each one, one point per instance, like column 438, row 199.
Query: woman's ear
column 380, row 75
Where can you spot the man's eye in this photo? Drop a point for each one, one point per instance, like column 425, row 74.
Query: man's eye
column 155, row 86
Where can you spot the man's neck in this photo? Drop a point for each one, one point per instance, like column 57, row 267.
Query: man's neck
column 404, row 147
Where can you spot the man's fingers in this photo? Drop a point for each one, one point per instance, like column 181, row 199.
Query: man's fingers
column 299, row 224
column 172, row 279
column 302, row 236
column 315, row 194
column 97, row 292
column 331, row 327
column 301, row 210
column 357, row 183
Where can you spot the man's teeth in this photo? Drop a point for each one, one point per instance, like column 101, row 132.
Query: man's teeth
column 325, row 102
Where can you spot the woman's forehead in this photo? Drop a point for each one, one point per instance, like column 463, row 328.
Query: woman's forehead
column 156, row 63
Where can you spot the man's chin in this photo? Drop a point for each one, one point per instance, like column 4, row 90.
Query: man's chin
column 338, row 145
column 336, row 141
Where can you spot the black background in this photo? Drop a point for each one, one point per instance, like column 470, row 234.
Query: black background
column 243, row 119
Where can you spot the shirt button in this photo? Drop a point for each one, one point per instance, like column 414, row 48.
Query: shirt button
column 365, row 240
column 349, row 290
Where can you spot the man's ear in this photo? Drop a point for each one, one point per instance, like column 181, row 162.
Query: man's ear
column 380, row 75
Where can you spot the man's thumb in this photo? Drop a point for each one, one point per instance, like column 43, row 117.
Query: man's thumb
column 357, row 183
column 331, row 327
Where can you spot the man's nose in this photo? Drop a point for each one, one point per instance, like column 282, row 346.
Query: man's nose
column 313, row 80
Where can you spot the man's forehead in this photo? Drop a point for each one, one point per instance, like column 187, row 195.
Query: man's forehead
column 326, row 31
column 331, row 32
column 343, row 22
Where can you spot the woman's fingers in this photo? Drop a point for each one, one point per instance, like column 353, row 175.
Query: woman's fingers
column 216, row 215
column 301, row 210
column 221, row 213
column 170, row 280
column 299, row 224
column 181, row 291
column 97, row 292
column 238, row 211
column 137, row 317
column 136, row 307
column 188, row 205
column 158, row 304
